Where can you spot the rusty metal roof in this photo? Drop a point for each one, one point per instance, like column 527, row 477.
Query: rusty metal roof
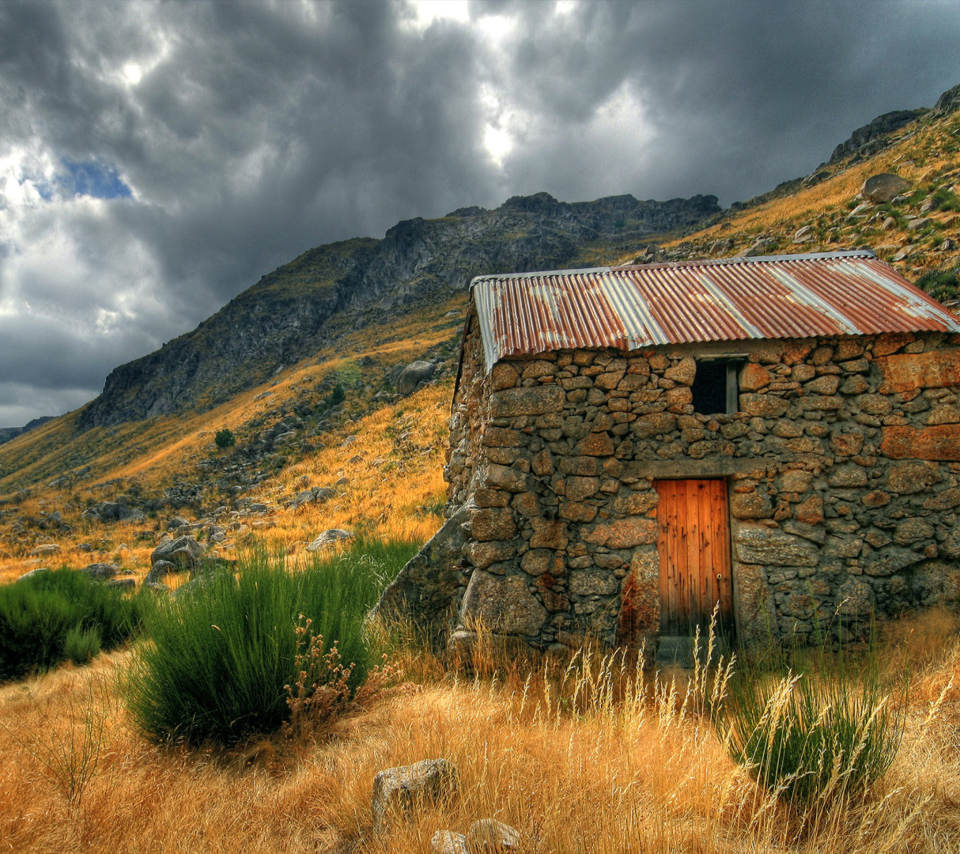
column 785, row 296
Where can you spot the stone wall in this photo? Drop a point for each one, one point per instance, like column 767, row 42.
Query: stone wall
column 843, row 468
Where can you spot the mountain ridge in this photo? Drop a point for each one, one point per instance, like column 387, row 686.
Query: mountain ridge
column 309, row 302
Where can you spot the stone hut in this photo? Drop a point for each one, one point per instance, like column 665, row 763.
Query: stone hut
column 631, row 448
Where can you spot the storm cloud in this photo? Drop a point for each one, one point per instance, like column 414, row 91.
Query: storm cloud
column 157, row 158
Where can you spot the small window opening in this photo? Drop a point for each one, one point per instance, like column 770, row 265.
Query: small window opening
column 715, row 386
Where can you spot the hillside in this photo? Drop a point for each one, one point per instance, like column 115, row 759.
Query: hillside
column 314, row 300
column 350, row 315
column 917, row 230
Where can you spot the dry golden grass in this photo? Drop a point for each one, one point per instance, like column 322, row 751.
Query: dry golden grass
column 602, row 760
column 391, row 461
column 923, row 152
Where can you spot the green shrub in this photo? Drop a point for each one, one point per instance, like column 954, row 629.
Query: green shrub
column 224, row 439
column 37, row 614
column 223, row 658
column 811, row 736
column 81, row 645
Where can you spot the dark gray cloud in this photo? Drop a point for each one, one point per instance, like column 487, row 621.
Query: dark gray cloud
column 158, row 158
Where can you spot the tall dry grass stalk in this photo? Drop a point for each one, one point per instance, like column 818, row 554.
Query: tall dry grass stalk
column 587, row 755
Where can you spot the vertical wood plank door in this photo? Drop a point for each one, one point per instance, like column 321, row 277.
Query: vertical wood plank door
column 694, row 547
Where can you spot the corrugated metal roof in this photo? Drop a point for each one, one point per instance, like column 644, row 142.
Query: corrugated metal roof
column 785, row 296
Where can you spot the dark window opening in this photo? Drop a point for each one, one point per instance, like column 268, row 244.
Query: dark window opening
column 715, row 386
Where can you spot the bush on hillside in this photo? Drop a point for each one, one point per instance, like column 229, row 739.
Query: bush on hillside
column 224, row 439
column 225, row 658
column 37, row 615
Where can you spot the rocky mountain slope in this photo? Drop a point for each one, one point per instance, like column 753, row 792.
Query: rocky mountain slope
column 310, row 302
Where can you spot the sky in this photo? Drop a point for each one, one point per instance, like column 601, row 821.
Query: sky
column 158, row 158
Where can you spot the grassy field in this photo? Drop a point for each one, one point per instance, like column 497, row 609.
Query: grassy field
column 594, row 758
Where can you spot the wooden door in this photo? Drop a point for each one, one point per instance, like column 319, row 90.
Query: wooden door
column 694, row 547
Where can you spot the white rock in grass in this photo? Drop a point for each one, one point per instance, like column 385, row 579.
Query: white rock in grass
column 334, row 535
column 489, row 836
column 401, row 788
column 448, row 842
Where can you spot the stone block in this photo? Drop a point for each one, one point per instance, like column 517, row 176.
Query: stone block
column 911, row 531
column 580, row 466
column 678, row 398
column 751, row 505
column 596, row 445
column 608, row 381
column 876, row 498
column 941, row 442
column 753, row 377
column 548, row 534
column 683, row 372
column 482, row 554
column 502, row 437
column 890, row 560
column 493, row 524
column 578, row 488
column 945, row 500
column 906, row 372
column 535, row 400
column 854, row 385
column 504, row 375
column 763, row 405
column 538, row 562
column 890, row 342
column 502, row 604
column 875, row 404
column 821, row 403
column 593, row 582
column 504, row 477
column 624, row 533
column 575, row 511
column 636, row 503
column 826, row 385
column 910, row 478
column 795, row 480
column 526, row 504
column 654, row 424
column 773, row 547
column 847, row 477
column 847, row 444
column 539, row 368
column 810, row 511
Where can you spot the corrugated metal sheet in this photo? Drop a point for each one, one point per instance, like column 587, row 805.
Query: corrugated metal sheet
column 787, row 296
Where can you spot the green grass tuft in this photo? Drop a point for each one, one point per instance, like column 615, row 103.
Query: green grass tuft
column 222, row 656
column 38, row 613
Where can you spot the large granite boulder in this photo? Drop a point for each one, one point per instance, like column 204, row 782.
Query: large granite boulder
column 883, row 188
column 184, row 552
column 414, row 374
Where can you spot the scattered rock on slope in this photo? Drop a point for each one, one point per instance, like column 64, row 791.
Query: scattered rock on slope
column 414, row 374
column 183, row 552
column 883, row 188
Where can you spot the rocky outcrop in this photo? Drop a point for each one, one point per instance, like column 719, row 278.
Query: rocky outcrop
column 872, row 137
column 306, row 304
column 947, row 103
column 412, row 375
